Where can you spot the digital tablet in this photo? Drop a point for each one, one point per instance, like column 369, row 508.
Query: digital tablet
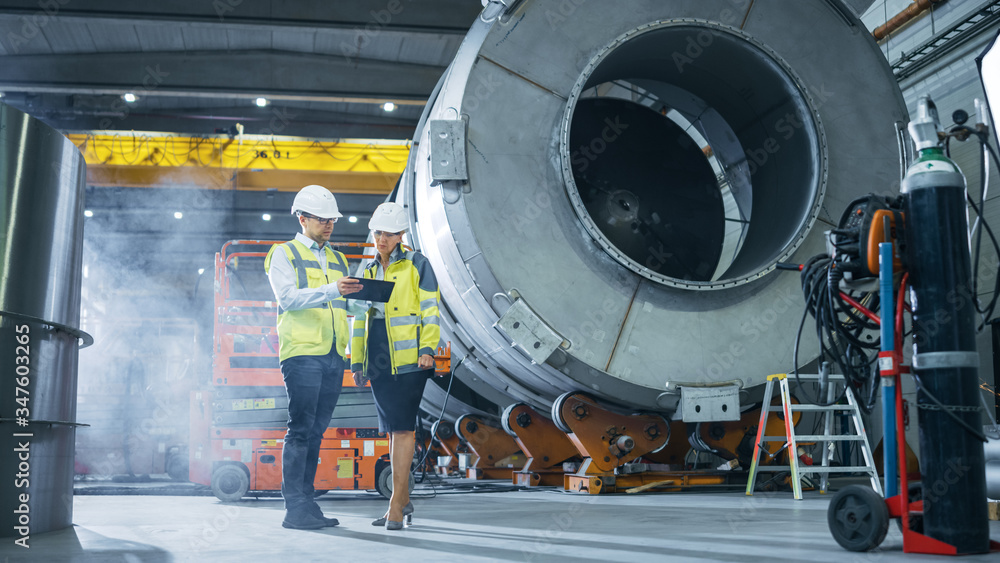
column 373, row 290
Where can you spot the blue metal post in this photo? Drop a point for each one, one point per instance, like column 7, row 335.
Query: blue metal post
column 887, row 326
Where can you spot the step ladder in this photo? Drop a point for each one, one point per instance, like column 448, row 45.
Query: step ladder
column 826, row 440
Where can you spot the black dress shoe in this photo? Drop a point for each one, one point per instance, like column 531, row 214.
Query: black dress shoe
column 301, row 519
column 317, row 512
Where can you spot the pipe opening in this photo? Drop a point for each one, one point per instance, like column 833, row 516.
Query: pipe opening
column 691, row 156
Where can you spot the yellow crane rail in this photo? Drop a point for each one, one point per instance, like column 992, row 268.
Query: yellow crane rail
column 244, row 162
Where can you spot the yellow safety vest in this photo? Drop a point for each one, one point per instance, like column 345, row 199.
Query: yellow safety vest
column 411, row 315
column 310, row 332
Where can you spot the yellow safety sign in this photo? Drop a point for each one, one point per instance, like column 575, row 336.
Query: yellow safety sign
column 345, row 468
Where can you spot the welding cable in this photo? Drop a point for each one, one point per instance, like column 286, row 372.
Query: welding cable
column 977, row 233
column 900, row 302
column 444, row 406
column 839, row 339
column 811, row 290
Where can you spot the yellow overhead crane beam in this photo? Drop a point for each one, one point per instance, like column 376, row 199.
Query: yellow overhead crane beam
column 251, row 162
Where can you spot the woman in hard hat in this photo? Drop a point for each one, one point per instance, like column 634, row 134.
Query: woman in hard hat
column 393, row 346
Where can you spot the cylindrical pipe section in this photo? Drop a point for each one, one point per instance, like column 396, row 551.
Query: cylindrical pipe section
column 628, row 180
column 993, row 479
column 992, row 455
column 42, row 176
column 945, row 359
column 992, row 449
column 910, row 13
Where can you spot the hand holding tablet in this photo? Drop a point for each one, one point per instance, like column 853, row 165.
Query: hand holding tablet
column 371, row 290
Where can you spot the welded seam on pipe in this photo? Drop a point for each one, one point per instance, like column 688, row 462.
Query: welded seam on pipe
column 528, row 80
column 747, row 15
column 614, row 349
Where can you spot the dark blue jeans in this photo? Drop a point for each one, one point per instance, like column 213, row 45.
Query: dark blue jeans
column 313, row 386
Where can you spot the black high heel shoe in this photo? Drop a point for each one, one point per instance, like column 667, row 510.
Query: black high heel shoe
column 391, row 524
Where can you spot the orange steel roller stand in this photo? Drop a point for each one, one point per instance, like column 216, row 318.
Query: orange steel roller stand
column 545, row 446
column 676, row 449
column 490, row 445
column 734, row 439
column 608, row 440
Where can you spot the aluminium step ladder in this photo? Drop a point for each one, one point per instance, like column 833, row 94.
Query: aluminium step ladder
column 791, row 440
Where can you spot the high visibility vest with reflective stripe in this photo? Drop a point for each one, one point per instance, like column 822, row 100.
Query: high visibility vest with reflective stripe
column 411, row 315
column 310, row 332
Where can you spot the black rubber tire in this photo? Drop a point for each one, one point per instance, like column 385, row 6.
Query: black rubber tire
column 442, row 430
column 230, row 482
column 177, row 467
column 916, row 492
column 383, row 484
column 858, row 518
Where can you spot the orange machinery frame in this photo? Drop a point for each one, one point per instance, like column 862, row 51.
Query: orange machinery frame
column 350, row 458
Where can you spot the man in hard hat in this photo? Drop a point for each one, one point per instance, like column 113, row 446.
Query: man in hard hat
column 393, row 346
column 309, row 280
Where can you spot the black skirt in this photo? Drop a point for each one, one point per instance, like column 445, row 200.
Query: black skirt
column 397, row 397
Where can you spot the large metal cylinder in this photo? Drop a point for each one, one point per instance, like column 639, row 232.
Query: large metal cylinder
column 604, row 188
column 993, row 479
column 42, row 177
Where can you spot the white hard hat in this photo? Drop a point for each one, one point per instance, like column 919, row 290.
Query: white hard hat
column 389, row 217
column 316, row 200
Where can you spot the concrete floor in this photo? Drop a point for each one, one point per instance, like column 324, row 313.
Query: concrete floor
column 536, row 525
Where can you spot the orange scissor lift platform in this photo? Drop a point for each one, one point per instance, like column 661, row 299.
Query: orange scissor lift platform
column 238, row 423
